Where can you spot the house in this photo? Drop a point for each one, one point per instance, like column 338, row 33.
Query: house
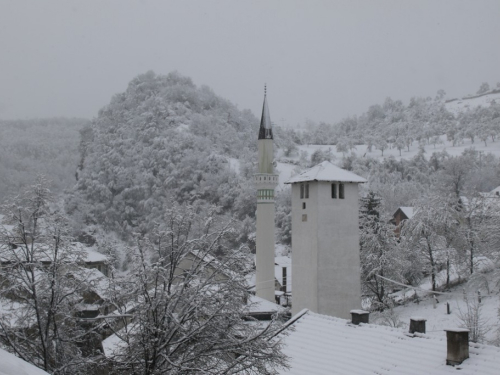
column 324, row 345
column 401, row 214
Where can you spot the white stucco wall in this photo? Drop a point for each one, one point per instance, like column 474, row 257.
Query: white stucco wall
column 265, row 153
column 325, row 251
column 264, row 280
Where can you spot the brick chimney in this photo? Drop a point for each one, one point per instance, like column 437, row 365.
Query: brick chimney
column 359, row 316
column 457, row 346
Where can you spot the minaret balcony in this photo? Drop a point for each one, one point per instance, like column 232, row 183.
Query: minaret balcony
column 266, row 180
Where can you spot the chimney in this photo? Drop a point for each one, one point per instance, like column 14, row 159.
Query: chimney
column 359, row 316
column 458, row 346
column 417, row 324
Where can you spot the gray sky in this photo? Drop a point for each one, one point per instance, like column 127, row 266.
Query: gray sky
column 321, row 60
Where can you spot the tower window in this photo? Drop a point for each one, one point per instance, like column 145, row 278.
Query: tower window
column 341, row 191
column 307, row 190
column 334, row 191
column 303, row 205
column 301, row 191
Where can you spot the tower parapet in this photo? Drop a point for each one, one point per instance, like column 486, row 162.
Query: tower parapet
column 265, row 183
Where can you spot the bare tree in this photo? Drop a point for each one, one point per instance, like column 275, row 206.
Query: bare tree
column 187, row 306
column 39, row 287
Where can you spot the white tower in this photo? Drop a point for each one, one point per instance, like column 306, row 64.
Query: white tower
column 325, row 241
column 265, row 180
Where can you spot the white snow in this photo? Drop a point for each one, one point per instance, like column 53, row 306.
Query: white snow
column 12, row 365
column 323, row 345
column 461, row 105
column 258, row 304
column 435, row 311
column 234, row 164
column 326, row 171
column 286, row 169
column 408, row 211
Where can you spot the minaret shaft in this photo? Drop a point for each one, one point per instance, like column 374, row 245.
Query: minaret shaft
column 266, row 181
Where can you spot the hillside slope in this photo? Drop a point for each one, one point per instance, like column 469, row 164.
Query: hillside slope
column 164, row 140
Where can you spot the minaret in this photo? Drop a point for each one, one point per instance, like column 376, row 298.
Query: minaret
column 265, row 180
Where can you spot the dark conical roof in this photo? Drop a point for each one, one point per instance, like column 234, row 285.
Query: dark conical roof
column 265, row 131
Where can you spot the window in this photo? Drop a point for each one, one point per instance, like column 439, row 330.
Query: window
column 301, row 191
column 334, row 191
column 307, row 191
column 304, row 217
column 341, row 191
column 303, row 205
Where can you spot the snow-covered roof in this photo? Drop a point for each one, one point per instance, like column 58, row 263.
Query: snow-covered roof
column 495, row 192
column 44, row 253
column 258, row 304
column 326, row 171
column 12, row 365
column 408, row 211
column 91, row 255
column 322, row 345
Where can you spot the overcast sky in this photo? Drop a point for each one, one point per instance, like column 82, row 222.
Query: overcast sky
column 321, row 60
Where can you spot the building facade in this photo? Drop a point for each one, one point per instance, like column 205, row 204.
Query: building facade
column 325, row 241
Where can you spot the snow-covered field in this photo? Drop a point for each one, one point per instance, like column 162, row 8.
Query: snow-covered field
column 436, row 312
column 286, row 169
column 461, row 105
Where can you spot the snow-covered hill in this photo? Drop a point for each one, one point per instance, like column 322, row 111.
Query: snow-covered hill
column 286, row 169
column 457, row 106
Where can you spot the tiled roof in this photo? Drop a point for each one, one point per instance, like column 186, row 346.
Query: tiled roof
column 326, row 171
column 319, row 344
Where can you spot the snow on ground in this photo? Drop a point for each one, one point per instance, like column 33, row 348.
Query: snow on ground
column 11, row 365
column 462, row 105
column 435, row 311
column 285, row 169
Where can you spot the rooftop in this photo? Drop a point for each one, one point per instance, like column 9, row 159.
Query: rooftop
column 326, row 171
column 10, row 364
column 408, row 211
column 320, row 344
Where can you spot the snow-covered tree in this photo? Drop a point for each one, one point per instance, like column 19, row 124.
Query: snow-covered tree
column 379, row 253
column 188, row 307
column 484, row 88
column 423, row 243
column 41, row 284
column 381, row 144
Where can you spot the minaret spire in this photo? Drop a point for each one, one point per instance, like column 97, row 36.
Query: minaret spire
column 265, row 131
column 266, row 181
